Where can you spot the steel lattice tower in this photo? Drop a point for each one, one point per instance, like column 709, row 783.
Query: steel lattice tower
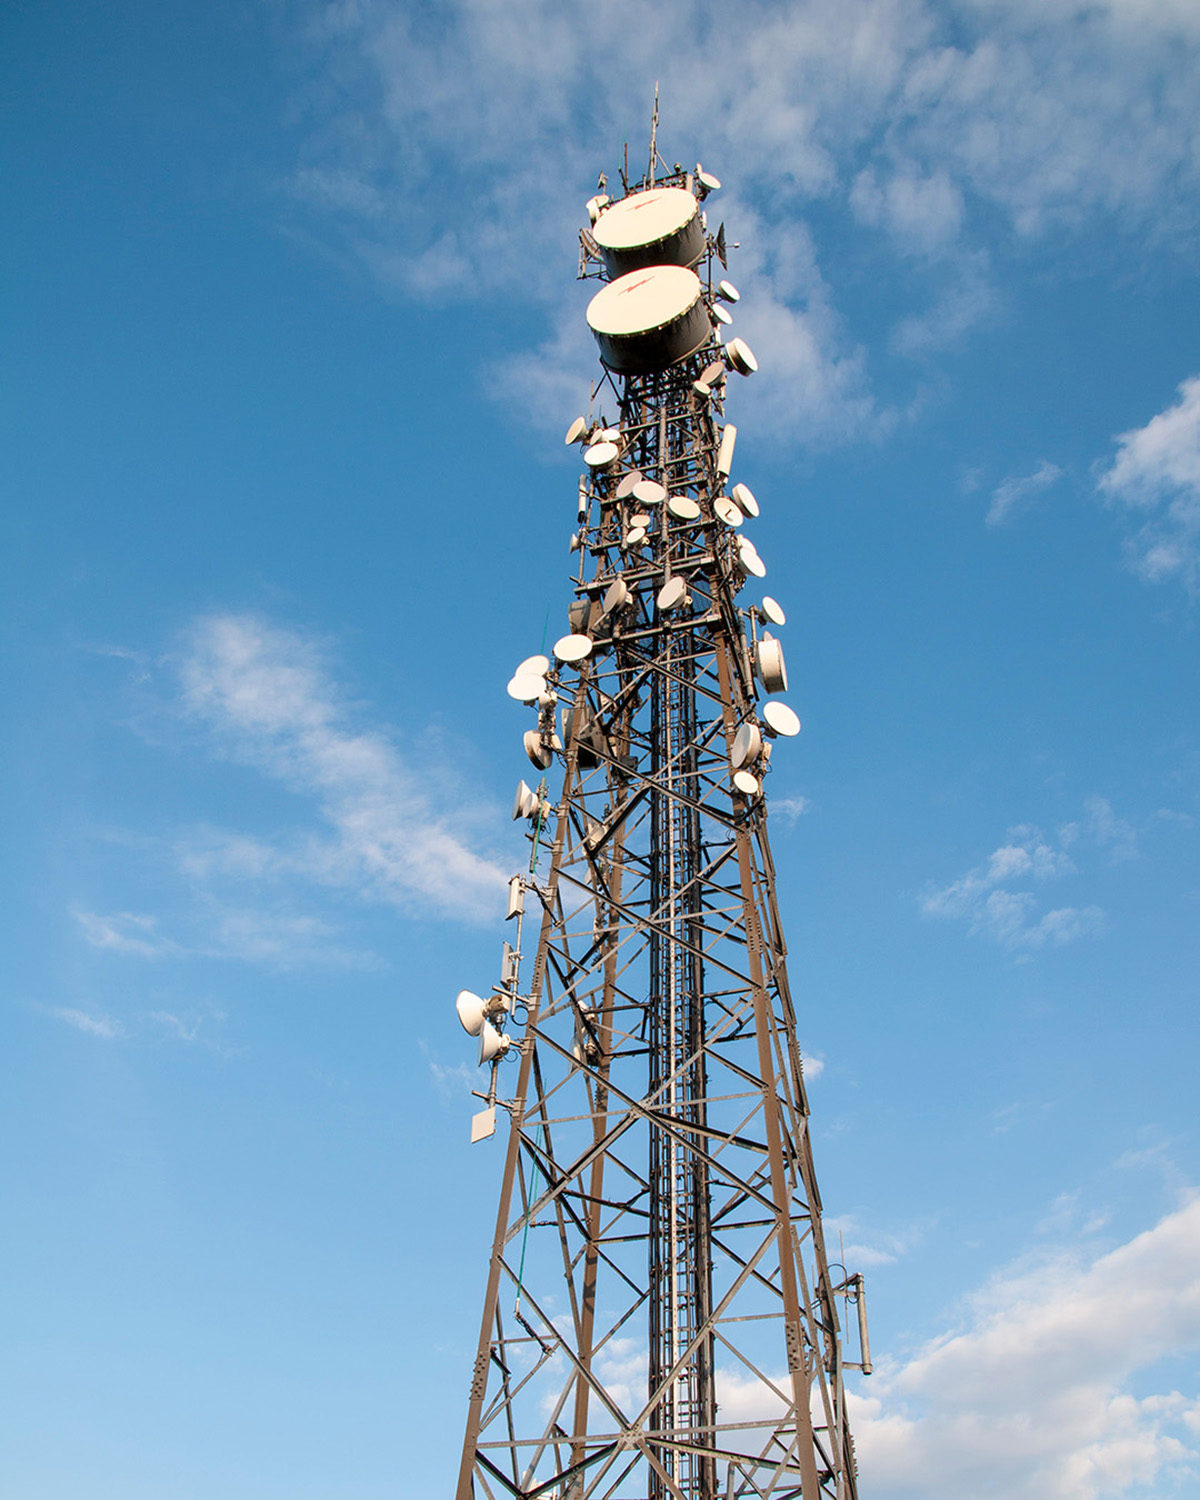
column 660, row 1317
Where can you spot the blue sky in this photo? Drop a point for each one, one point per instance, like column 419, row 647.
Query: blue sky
column 292, row 334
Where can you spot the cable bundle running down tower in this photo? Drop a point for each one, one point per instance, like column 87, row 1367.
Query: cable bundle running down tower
column 660, row 1320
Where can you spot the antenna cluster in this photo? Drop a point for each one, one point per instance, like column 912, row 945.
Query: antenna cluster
column 658, row 1194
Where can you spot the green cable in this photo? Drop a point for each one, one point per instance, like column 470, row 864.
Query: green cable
column 533, row 1176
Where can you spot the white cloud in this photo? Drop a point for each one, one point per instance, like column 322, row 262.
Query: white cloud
column 924, row 211
column 1032, row 1395
column 283, row 939
column 452, row 157
column 184, row 1031
column 266, row 694
column 265, row 697
column 101, row 1026
column 124, row 932
column 860, row 1250
column 1116, row 835
column 454, row 1080
column 1010, row 493
column 1157, row 472
column 985, row 900
column 964, row 298
column 790, row 809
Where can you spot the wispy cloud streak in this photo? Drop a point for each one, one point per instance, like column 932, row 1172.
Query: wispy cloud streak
column 267, row 696
column 1011, row 493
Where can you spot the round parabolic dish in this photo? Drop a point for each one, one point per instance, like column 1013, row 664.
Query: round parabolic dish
column 536, row 751
column 600, row 455
column 750, row 562
column 576, row 430
column 728, row 512
column 617, row 594
column 672, row 594
column 773, row 610
column 741, row 356
column 781, row 719
column 747, row 745
column 658, row 227
column 683, row 508
column 648, row 492
column 533, row 666
column 745, row 783
column 649, row 319
column 745, row 498
column 572, row 648
column 772, row 672
column 526, row 687
column 635, row 536
column 628, row 484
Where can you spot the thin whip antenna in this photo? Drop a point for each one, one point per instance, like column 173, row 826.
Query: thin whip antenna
column 653, row 137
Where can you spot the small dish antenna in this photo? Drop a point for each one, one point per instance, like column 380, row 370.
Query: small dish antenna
column 727, row 290
column 672, row 594
column 683, row 508
column 600, row 455
column 538, row 753
column 773, row 611
column 648, row 492
column 493, row 1043
column 635, row 536
column 533, row 666
column 525, row 803
column 472, row 1012
column 722, row 315
column 572, row 648
column 526, row 687
column 617, row 594
column 780, row 719
column 727, row 511
column 629, row 484
column 747, row 746
column 745, row 783
column 771, row 669
column 707, row 182
column 748, row 559
column 577, row 431
column 740, row 355
column 745, row 498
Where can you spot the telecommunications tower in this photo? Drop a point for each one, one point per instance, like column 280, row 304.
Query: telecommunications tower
column 661, row 1318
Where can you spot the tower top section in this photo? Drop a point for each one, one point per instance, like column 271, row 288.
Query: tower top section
column 654, row 248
